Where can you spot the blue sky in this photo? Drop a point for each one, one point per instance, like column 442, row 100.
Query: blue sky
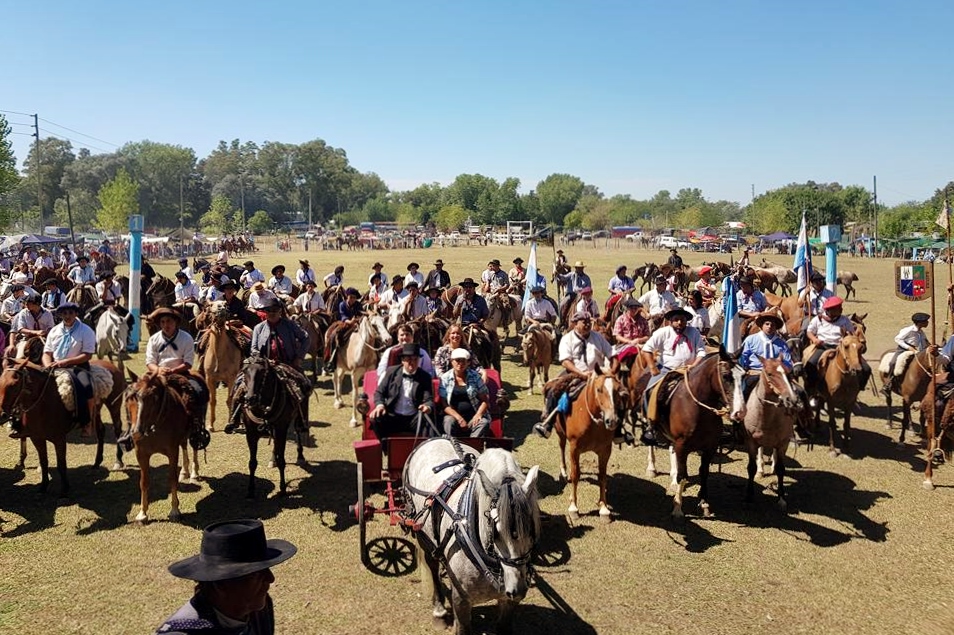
column 633, row 97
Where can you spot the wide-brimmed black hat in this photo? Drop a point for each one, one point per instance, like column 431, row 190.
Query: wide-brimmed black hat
column 920, row 317
column 659, row 279
column 410, row 350
column 228, row 285
column 746, row 280
column 762, row 318
column 376, row 265
column 518, row 261
column 49, row 281
column 248, row 263
column 231, row 549
column 439, row 262
column 276, row 268
column 468, row 282
column 671, row 313
column 271, row 303
column 632, row 302
column 352, row 291
column 82, row 257
column 396, row 279
column 537, row 289
column 817, row 277
column 181, row 274
column 412, row 284
column 413, row 265
column 495, row 261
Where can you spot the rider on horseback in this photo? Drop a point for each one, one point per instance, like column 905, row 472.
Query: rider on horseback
column 279, row 283
column 187, row 295
column 52, row 297
column 619, row 285
column 171, row 351
column 825, row 332
column 540, row 312
column 766, row 344
column 631, row 330
column 658, row 301
column 70, row 345
column 251, row 275
column 587, row 304
column 32, row 320
column 83, row 273
column 414, row 305
column 582, row 352
column 348, row 313
column 437, row 278
column 910, row 338
column 284, row 342
column 704, row 285
column 310, row 300
column 750, row 300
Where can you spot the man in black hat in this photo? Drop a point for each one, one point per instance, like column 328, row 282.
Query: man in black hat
column 405, row 392
column 280, row 284
column 911, row 341
column 185, row 268
column 233, row 575
column 437, row 278
column 470, row 307
column 52, row 297
column 658, row 301
column 493, row 279
column 414, row 274
column 814, row 296
column 251, row 275
column 750, row 300
column 71, row 345
column 675, row 260
column 518, row 276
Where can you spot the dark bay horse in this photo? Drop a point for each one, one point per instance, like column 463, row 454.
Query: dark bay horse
column 692, row 421
column 29, row 391
column 589, row 427
column 910, row 386
column 269, row 411
column 159, row 414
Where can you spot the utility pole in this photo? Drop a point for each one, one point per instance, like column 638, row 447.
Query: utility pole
column 309, row 211
column 753, row 191
column 242, row 198
column 39, row 170
column 181, row 217
column 874, row 248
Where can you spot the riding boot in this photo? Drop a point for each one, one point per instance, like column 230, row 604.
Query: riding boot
column 545, row 426
column 235, row 419
column 16, row 427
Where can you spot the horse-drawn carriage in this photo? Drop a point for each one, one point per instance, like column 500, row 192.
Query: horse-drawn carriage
column 378, row 469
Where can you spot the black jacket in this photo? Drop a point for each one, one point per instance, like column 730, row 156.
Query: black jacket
column 197, row 616
column 389, row 388
column 437, row 278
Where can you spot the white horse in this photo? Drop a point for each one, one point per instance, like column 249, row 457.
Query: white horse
column 361, row 355
column 486, row 553
column 111, row 333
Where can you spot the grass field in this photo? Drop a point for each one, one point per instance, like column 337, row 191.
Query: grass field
column 863, row 548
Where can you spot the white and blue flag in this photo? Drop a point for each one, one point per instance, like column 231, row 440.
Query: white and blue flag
column 534, row 279
column 803, row 258
column 732, row 329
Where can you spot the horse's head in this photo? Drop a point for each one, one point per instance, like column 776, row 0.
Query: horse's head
column 851, row 348
column 606, row 399
column 255, row 374
column 144, row 395
column 509, row 501
column 775, row 380
column 377, row 329
column 13, row 387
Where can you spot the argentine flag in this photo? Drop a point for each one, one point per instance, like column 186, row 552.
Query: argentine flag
column 732, row 330
column 534, row 279
column 803, row 258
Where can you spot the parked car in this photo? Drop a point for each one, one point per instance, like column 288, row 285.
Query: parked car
column 587, row 236
column 601, row 234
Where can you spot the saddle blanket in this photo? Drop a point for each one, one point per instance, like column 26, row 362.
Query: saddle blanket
column 654, row 392
column 102, row 385
column 900, row 365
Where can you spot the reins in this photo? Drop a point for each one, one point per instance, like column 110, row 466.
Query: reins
column 721, row 412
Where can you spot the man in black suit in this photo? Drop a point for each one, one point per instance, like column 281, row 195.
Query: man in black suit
column 437, row 278
column 403, row 392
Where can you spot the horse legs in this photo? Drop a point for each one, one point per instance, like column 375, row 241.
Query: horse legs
column 251, row 438
column 846, row 440
column 563, row 474
column 190, row 469
column 888, row 400
column 23, row 454
column 100, row 436
column 651, row 463
column 779, row 466
column 356, row 376
column 44, row 460
column 337, row 378
column 173, row 478
column 142, row 457
column 281, row 437
column 905, row 420
column 832, row 430
column 116, row 415
column 753, row 468
column 532, row 371
column 211, row 387
column 574, row 477
column 505, row 616
column 682, row 477
column 704, row 482
column 432, row 577
column 603, row 462
column 59, row 447
column 462, row 613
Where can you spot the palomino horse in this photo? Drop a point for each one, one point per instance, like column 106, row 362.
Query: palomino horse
column 537, row 354
column 911, row 386
column 269, row 411
column 361, row 355
column 589, row 427
column 486, row 550
column 770, row 413
column 222, row 359
column 30, row 391
column 111, row 333
column 159, row 415
column 840, row 369
column 504, row 309
column 692, row 421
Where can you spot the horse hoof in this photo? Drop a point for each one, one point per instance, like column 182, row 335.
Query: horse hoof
column 759, row 474
column 928, row 485
column 706, row 512
column 605, row 516
column 174, row 515
column 782, row 505
column 573, row 512
column 117, row 467
column 339, row 404
column 651, row 473
column 142, row 518
column 677, row 514
column 899, row 445
column 833, row 453
column 271, row 465
column 845, row 455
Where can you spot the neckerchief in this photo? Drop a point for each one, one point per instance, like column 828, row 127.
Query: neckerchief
column 167, row 342
column 63, row 349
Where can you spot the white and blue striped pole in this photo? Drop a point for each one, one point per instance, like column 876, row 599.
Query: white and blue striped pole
column 135, row 277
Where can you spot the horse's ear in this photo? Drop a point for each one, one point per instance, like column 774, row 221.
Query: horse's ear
column 862, row 318
column 530, row 482
column 133, row 378
column 486, row 483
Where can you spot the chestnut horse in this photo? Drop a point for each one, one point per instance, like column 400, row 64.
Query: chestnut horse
column 911, row 386
column 29, row 391
column 594, row 416
column 160, row 416
column 537, row 354
column 692, row 421
column 840, row 369
column 222, row 359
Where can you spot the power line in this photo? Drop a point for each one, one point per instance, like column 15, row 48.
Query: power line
column 82, row 134
column 13, row 112
column 79, row 143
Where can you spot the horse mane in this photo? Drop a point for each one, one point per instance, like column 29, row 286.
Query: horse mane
column 521, row 511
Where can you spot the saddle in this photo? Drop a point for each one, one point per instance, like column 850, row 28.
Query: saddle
column 661, row 392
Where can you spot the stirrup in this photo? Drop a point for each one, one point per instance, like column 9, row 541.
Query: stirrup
column 542, row 430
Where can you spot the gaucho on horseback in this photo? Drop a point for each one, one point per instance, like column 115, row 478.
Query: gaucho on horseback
column 282, row 341
column 348, row 312
column 766, row 344
column 171, row 351
column 910, row 339
column 679, row 346
column 582, row 353
column 825, row 332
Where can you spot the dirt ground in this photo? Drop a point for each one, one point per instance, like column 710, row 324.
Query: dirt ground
column 863, row 548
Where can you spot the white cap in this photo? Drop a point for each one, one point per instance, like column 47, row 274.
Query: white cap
column 460, row 353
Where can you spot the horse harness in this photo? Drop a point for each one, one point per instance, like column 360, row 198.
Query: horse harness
column 484, row 557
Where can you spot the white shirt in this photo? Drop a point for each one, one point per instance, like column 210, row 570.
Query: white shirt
column 911, row 338
column 11, row 306
column 389, row 297
column 538, row 309
column 43, row 261
column 591, row 308
column 385, row 280
column 81, row 339
column 677, row 349
column 180, row 350
column 256, row 299
column 425, row 363
column 25, row 320
column 332, row 280
column 187, row 291
column 249, row 278
column 280, row 287
column 20, row 278
column 418, row 306
column 585, row 354
column 830, row 332
column 188, row 272
column 81, row 275
column 303, row 276
column 700, row 319
column 114, row 291
column 416, row 276
column 308, row 303
column 209, row 294
column 658, row 303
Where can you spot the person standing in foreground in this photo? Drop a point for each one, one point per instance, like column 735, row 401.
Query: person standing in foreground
column 232, row 573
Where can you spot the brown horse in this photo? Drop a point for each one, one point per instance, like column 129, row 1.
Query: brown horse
column 29, row 391
column 911, row 386
column 537, row 354
column 840, row 369
column 645, row 274
column 769, row 423
column 222, row 359
column 449, row 296
column 589, row 427
column 160, row 414
column 315, row 325
column 939, row 431
column 692, row 421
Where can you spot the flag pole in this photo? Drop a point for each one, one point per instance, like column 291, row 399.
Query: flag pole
column 949, row 313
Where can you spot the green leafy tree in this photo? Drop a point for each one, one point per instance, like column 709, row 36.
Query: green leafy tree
column 118, row 200
column 55, row 156
column 84, row 208
column 237, row 221
column 159, row 168
column 260, row 222
column 451, row 217
column 574, row 220
column 9, row 178
column 558, row 195
column 216, row 221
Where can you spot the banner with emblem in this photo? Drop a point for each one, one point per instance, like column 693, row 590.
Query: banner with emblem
column 913, row 280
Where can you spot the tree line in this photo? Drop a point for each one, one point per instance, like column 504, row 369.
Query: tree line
column 276, row 182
